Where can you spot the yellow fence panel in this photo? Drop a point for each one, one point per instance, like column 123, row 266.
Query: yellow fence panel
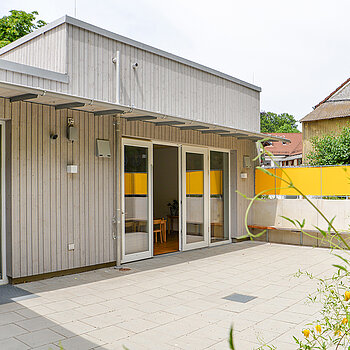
column 336, row 181
column 216, row 182
column 307, row 179
column 135, row 184
column 264, row 182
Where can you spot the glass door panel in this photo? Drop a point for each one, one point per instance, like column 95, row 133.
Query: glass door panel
column 219, row 197
column 195, row 181
column 137, row 228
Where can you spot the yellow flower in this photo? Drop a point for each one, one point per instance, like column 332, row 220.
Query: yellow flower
column 347, row 295
column 337, row 333
column 306, row 333
column 345, row 321
column 318, row 328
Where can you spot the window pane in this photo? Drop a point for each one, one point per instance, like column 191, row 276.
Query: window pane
column 136, row 199
column 194, row 197
column 218, row 196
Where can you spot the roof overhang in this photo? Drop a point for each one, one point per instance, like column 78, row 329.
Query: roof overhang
column 100, row 108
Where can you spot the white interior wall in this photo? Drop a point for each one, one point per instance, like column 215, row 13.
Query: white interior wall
column 165, row 179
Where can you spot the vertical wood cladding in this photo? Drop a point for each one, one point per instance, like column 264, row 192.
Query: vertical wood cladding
column 50, row 208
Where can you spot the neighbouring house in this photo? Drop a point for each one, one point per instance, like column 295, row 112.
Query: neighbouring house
column 114, row 151
column 331, row 115
column 285, row 153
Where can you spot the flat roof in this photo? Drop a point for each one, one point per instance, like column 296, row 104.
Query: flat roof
column 16, row 92
column 106, row 33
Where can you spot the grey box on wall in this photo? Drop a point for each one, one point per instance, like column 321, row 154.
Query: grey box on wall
column 72, row 133
column 103, row 148
column 247, row 162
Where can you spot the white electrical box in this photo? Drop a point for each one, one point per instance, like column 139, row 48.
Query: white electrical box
column 244, row 175
column 71, row 246
column 72, row 169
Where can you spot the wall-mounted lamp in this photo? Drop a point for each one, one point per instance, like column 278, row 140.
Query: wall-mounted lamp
column 135, row 65
column 53, row 136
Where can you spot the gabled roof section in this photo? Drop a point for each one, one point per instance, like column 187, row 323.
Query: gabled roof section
column 295, row 146
column 333, row 92
column 125, row 40
column 329, row 110
column 33, row 35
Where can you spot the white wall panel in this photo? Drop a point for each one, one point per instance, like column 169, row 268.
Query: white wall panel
column 158, row 84
column 47, row 51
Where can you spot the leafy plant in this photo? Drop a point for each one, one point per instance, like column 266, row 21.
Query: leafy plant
column 332, row 149
column 174, row 208
column 332, row 328
column 282, row 123
column 18, row 24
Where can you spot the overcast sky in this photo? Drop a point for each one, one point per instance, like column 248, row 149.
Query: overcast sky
column 296, row 51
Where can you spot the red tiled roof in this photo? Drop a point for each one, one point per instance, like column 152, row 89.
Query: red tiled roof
column 295, row 146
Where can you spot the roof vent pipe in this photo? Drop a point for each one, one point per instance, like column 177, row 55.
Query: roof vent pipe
column 116, row 61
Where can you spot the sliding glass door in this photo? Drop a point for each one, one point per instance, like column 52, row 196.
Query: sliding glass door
column 219, row 196
column 195, row 197
column 137, row 221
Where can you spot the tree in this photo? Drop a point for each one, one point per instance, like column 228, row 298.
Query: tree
column 272, row 122
column 18, row 24
column 332, row 149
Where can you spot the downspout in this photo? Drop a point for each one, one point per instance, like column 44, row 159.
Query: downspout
column 118, row 192
column 118, row 164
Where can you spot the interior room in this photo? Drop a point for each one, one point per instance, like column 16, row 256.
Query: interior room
column 165, row 199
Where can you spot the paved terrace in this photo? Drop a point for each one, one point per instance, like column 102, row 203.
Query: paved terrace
column 171, row 302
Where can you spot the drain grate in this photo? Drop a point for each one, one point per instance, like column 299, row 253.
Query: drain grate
column 239, row 298
column 9, row 294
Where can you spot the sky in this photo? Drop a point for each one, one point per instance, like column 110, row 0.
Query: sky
column 296, row 51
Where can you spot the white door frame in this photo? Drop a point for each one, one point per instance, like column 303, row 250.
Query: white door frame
column 149, row 252
column 206, row 231
column 4, row 279
column 228, row 199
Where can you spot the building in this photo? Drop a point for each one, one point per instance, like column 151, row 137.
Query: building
column 99, row 133
column 285, row 153
column 329, row 116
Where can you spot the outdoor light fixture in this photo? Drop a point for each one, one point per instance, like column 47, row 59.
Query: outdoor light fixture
column 69, row 105
column 140, row 118
column 193, row 127
column 108, row 111
column 135, row 65
column 169, row 123
column 214, row 131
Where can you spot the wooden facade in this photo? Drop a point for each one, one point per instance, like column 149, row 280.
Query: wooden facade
column 68, row 61
column 321, row 127
column 161, row 83
column 49, row 209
